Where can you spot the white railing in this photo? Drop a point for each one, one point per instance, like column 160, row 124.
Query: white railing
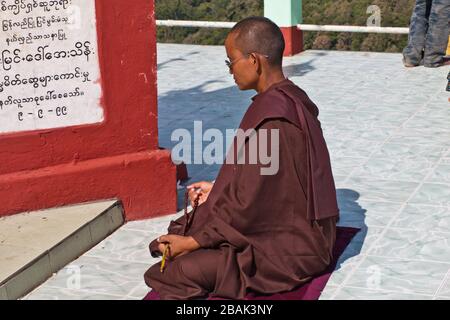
column 195, row 24
column 304, row 27
column 313, row 27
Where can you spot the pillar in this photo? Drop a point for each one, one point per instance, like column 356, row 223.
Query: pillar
column 86, row 129
column 287, row 14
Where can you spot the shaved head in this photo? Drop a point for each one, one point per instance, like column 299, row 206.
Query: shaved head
column 260, row 35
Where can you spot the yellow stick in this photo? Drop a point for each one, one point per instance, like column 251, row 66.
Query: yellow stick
column 448, row 47
column 164, row 258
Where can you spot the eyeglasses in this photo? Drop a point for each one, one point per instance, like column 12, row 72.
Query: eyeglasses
column 230, row 63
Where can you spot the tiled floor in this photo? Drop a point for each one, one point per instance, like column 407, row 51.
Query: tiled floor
column 388, row 131
column 33, row 245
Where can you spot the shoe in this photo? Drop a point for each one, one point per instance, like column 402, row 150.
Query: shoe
column 408, row 64
column 437, row 65
column 445, row 62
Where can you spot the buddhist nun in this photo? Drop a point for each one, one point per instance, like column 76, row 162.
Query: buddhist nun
column 261, row 228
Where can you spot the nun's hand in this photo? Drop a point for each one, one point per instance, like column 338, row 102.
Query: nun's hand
column 199, row 190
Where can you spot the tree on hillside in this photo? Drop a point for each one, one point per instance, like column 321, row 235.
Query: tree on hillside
column 394, row 13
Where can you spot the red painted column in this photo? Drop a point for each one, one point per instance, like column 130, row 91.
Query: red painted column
column 287, row 14
column 294, row 40
column 117, row 158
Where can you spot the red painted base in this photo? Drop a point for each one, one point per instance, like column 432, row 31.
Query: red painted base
column 143, row 181
column 118, row 158
column 294, row 40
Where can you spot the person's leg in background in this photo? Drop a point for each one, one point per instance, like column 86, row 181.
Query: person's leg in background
column 413, row 53
column 448, row 85
column 437, row 36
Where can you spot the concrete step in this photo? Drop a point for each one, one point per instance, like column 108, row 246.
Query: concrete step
column 35, row 245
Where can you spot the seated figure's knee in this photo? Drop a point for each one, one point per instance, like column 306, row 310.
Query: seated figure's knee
column 180, row 270
column 152, row 274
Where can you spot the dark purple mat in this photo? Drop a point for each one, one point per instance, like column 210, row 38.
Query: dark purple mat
column 311, row 290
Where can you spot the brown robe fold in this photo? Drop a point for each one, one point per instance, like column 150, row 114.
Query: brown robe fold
column 265, row 234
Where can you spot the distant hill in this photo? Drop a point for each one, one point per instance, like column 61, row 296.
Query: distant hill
column 394, row 13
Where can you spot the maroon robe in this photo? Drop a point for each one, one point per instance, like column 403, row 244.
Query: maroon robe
column 261, row 233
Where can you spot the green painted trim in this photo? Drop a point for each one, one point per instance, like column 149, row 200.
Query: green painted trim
column 285, row 13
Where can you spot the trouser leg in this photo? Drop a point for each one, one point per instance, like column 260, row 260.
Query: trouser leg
column 413, row 52
column 192, row 276
column 438, row 31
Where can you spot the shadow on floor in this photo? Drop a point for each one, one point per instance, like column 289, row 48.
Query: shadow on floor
column 164, row 64
column 299, row 70
column 351, row 215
